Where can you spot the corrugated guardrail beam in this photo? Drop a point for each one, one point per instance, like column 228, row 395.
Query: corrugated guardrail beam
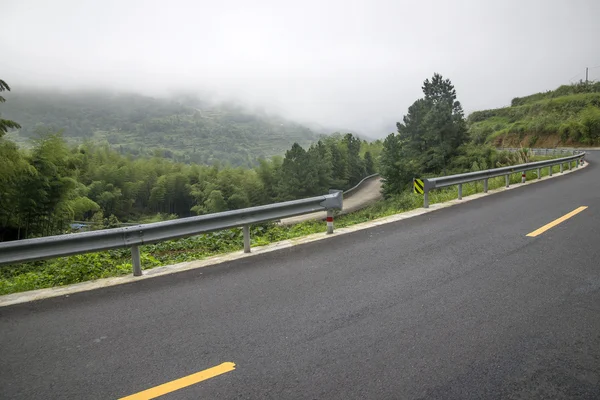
column 353, row 189
column 459, row 179
column 133, row 236
column 540, row 151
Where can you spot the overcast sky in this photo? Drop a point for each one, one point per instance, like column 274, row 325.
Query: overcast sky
column 354, row 64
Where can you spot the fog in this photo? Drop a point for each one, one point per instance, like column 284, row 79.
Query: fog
column 352, row 64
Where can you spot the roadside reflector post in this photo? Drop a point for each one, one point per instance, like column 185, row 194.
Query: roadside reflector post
column 550, row 170
column 523, row 177
column 329, row 222
column 135, row 261
column 246, row 229
column 507, row 178
column 485, row 186
column 539, row 173
column 460, row 191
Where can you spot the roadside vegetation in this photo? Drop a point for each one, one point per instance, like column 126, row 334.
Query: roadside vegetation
column 48, row 187
column 569, row 115
column 85, row 267
column 53, row 183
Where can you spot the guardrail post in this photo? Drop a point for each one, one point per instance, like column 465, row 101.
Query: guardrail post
column 507, row 179
column 329, row 222
column 135, row 261
column 539, row 173
column 570, row 165
column 550, row 170
column 246, row 230
column 485, row 186
column 562, row 167
column 460, row 191
column 426, row 198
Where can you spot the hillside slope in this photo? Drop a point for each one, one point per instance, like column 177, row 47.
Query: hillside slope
column 186, row 130
column 569, row 115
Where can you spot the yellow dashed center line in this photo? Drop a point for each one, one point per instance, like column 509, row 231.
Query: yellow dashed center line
column 180, row 383
column 557, row 221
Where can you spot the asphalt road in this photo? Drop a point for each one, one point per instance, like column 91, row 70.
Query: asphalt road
column 368, row 193
column 455, row 304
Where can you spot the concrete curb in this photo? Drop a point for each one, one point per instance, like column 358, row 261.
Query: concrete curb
column 33, row 295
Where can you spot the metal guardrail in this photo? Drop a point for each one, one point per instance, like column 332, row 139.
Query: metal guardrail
column 542, row 151
column 353, row 189
column 19, row 251
column 459, row 179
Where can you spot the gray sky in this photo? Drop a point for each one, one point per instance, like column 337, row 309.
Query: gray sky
column 354, row 64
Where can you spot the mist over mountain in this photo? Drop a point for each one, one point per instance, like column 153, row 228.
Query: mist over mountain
column 344, row 65
column 183, row 127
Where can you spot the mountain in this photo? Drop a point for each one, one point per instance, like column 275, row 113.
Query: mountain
column 569, row 115
column 183, row 129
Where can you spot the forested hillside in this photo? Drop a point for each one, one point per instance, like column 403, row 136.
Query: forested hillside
column 47, row 186
column 569, row 115
column 44, row 189
column 183, row 130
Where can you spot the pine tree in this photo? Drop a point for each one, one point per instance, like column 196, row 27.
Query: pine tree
column 369, row 164
column 430, row 136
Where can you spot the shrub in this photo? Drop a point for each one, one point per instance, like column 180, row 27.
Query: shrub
column 590, row 123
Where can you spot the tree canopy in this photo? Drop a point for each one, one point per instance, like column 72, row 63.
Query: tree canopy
column 429, row 137
column 47, row 187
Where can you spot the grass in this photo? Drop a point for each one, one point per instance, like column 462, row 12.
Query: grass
column 80, row 268
column 574, row 118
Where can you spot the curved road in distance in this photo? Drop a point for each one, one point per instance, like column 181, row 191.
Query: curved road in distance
column 458, row 303
column 368, row 193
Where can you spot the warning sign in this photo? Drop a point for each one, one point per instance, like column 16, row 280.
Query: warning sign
column 419, row 187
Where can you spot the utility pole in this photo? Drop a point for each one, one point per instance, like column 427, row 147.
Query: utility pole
column 586, row 75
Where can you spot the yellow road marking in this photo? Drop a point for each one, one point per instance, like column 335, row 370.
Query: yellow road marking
column 552, row 224
column 181, row 382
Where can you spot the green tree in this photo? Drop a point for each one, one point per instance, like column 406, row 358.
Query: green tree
column 429, row 138
column 97, row 221
column 111, row 222
column 320, row 166
column 268, row 174
column 339, row 161
column 444, row 122
column 215, row 202
column 356, row 167
column 369, row 164
column 294, row 172
column 45, row 192
column 6, row 124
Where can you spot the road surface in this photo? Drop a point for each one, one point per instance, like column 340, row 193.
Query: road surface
column 368, row 193
column 455, row 304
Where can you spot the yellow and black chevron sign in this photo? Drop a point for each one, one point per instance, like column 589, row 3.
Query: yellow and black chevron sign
column 419, row 187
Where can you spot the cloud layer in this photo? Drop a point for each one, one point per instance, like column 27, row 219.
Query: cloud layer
column 354, row 64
